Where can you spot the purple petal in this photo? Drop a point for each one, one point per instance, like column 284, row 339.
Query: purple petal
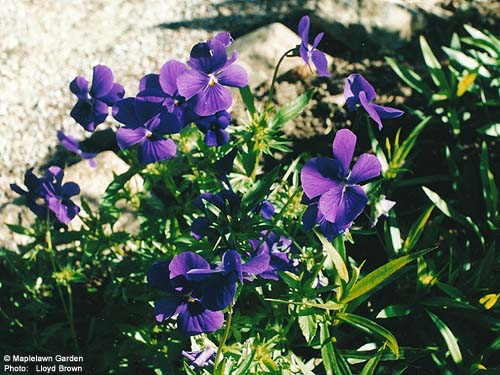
column 166, row 307
column 168, row 124
column 257, row 264
column 201, row 228
column 102, row 81
column 219, row 291
column 193, row 319
column 267, row 210
column 54, row 174
column 124, row 112
column 343, row 204
column 80, row 87
column 231, row 262
column 387, row 112
column 127, row 137
column 186, row 261
column 309, row 218
column 191, row 83
column 69, row 189
column 212, row 99
column 168, row 75
column 68, row 142
column 224, row 38
column 343, row 149
column 234, row 76
column 83, row 114
column 64, row 211
column 208, row 58
column 366, row 167
column 158, row 150
column 370, row 109
column 150, row 81
column 304, row 53
column 303, row 29
column 148, row 104
column 116, row 93
column 317, row 40
column 159, row 276
column 319, row 175
column 319, row 60
column 357, row 83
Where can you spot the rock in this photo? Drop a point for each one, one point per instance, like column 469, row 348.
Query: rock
column 386, row 23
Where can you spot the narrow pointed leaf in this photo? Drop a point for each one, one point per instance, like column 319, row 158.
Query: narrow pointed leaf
column 449, row 338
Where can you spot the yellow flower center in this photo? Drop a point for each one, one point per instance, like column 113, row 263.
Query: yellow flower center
column 212, row 81
column 148, row 134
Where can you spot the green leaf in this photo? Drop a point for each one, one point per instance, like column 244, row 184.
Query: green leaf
column 244, row 367
column 408, row 76
column 19, row 229
column 107, row 209
column 291, row 110
column 435, row 69
column 327, row 351
column 466, row 61
column 308, row 325
column 378, row 276
column 371, row 365
column 453, row 214
column 261, row 189
column 493, row 130
column 490, row 191
column 416, row 230
column 333, row 257
column 330, row 305
column 394, row 311
column 248, row 99
column 449, row 338
column 402, row 152
column 370, row 326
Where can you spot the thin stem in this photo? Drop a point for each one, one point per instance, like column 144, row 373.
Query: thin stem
column 224, row 338
column 275, row 75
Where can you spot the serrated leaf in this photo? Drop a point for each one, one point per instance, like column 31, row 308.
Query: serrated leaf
column 370, row 326
column 449, row 338
column 453, row 214
column 292, row 110
column 379, row 275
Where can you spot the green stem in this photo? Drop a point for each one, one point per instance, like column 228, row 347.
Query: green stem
column 224, row 338
column 275, row 75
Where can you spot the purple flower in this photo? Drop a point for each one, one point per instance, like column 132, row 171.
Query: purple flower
column 266, row 209
column 382, row 208
column 203, row 358
column 185, row 296
column 317, row 57
column 146, row 124
column 72, row 145
column 164, row 86
column 276, row 250
column 48, row 193
column 35, row 197
column 357, row 90
column 214, row 128
column 210, row 72
column 92, row 111
column 341, row 199
column 313, row 216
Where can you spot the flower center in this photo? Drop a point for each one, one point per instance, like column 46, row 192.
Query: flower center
column 149, row 134
column 40, row 201
column 212, row 81
column 176, row 102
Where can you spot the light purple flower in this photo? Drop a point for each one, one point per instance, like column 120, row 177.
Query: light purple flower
column 214, row 128
column 358, row 91
column 72, row 145
column 341, row 198
column 92, row 111
column 313, row 55
column 146, row 125
column 382, row 208
column 203, row 358
column 211, row 71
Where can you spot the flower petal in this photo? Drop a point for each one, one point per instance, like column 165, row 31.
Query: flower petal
column 150, row 81
column 148, row 104
column 317, row 40
column 159, row 276
column 343, row 204
column 186, row 261
column 168, row 75
column 124, row 112
column 358, row 84
column 387, row 112
column 80, row 87
column 343, row 149
column 168, row 124
column 212, row 99
column 303, row 29
column 208, row 57
column 304, row 53
column 218, row 291
column 224, row 38
column 68, row 142
column 166, row 307
column 191, row 83
column 194, row 319
column 234, row 76
column 69, row 189
column 366, row 167
column 231, row 261
column 102, row 81
column 127, row 137
column 319, row 175
column 158, row 150
column 116, row 93
column 370, row 109
column 256, row 265
column 319, row 60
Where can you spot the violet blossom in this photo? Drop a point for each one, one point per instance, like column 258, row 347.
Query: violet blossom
column 213, row 127
column 72, row 145
column 313, row 55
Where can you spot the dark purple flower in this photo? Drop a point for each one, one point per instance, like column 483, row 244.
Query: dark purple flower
column 185, row 296
column 276, row 249
column 164, row 86
column 92, row 111
column 58, row 195
column 341, row 199
column 203, row 358
column 313, row 216
column 317, row 57
column 211, row 71
column 357, row 90
column 72, row 145
column 35, row 197
column 214, row 128
column 146, row 124
column 266, row 209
